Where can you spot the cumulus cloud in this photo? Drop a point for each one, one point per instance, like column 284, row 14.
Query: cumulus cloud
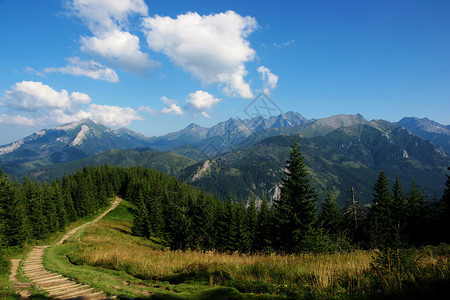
column 269, row 79
column 119, row 48
column 89, row 68
column 214, row 47
column 113, row 115
column 102, row 15
column 35, row 96
column 168, row 101
column 201, row 102
column 173, row 109
column 36, row 104
column 111, row 41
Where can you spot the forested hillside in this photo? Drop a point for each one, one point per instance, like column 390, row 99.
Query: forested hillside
column 343, row 158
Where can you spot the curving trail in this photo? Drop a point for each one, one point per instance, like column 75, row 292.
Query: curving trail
column 56, row 285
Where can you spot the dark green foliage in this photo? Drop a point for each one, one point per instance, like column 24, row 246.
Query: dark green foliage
column 229, row 223
column 186, row 218
column 35, row 210
column 141, row 222
column 32, row 211
column 380, row 214
column 295, row 211
column 251, row 220
column 12, row 226
column 243, row 234
column 417, row 215
column 330, row 217
column 399, row 205
column 445, row 210
column 263, row 236
column 202, row 216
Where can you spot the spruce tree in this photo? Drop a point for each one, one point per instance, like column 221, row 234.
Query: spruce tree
column 295, row 211
column 12, row 214
column 263, row 236
column 417, row 215
column 380, row 213
column 251, row 219
column 330, row 217
column 37, row 222
column 231, row 217
column 243, row 238
column 141, row 221
column 399, row 209
column 202, row 217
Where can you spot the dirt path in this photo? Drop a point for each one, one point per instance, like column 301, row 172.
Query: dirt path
column 73, row 231
column 56, row 285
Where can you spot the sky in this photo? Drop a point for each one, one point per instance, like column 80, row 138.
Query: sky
column 157, row 66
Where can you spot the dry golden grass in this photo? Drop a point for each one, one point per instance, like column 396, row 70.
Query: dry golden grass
column 110, row 245
column 107, row 245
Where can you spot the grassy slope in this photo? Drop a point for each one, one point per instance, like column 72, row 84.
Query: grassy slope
column 108, row 257
column 113, row 232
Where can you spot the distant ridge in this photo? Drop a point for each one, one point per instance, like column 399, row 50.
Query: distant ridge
column 429, row 130
column 66, row 143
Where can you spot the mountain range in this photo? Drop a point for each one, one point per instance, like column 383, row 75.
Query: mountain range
column 247, row 157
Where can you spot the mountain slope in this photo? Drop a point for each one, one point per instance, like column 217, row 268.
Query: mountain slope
column 432, row 131
column 168, row 163
column 345, row 157
column 66, row 143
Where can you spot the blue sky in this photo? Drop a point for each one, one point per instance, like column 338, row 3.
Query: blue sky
column 157, row 66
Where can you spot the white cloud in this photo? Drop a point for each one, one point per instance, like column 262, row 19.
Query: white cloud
column 113, row 115
column 111, row 41
column 200, row 101
column 41, row 105
column 119, row 48
column 34, row 96
column 205, row 114
column 213, row 47
column 102, row 15
column 173, row 109
column 89, row 68
column 168, row 101
column 269, row 79
column 20, row 121
column 147, row 109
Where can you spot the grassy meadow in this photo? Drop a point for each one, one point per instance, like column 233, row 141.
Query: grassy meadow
column 108, row 257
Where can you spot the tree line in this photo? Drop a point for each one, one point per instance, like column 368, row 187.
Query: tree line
column 295, row 222
column 187, row 218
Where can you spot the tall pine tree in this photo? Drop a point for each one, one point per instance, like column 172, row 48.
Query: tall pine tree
column 263, row 237
column 380, row 214
column 295, row 211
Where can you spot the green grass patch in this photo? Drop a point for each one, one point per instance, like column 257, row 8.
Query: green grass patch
column 123, row 212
